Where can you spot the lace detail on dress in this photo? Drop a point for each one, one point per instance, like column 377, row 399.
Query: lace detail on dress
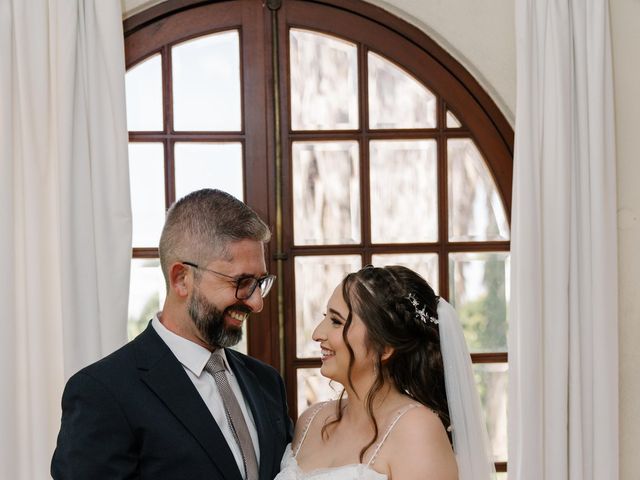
column 290, row 470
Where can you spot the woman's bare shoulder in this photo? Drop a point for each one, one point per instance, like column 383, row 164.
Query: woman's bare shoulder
column 418, row 447
column 304, row 420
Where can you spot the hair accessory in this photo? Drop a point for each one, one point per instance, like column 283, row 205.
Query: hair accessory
column 421, row 313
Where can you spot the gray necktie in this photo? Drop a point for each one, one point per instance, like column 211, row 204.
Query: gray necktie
column 237, row 423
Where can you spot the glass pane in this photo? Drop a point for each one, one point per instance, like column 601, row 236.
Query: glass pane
column 452, row 121
column 501, row 476
column 313, row 388
column 316, row 278
column 144, row 95
column 146, row 175
column 475, row 209
column 491, row 379
column 211, row 165
column 404, row 191
column 206, row 83
column 426, row 264
column 479, row 290
column 324, row 82
column 326, row 193
column 146, row 293
column 396, row 99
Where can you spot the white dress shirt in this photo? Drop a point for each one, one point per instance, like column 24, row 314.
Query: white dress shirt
column 193, row 358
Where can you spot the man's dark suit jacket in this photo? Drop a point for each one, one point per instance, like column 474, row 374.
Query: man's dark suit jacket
column 136, row 415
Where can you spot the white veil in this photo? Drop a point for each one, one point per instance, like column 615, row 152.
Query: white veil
column 470, row 441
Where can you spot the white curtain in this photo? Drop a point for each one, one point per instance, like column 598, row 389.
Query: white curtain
column 563, row 339
column 65, row 217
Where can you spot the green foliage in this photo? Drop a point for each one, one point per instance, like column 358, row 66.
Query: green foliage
column 485, row 326
column 485, row 319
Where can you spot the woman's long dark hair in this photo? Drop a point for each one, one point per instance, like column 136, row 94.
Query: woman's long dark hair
column 387, row 301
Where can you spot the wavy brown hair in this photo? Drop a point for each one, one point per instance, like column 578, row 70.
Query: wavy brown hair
column 380, row 298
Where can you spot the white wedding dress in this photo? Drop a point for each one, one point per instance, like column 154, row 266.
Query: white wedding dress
column 470, row 441
column 290, row 470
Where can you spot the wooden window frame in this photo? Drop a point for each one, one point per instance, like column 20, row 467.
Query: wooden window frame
column 157, row 28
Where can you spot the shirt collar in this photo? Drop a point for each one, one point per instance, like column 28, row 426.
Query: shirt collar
column 192, row 356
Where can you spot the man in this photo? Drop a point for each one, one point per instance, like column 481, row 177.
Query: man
column 175, row 403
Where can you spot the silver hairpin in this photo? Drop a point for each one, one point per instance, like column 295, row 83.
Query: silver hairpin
column 421, row 313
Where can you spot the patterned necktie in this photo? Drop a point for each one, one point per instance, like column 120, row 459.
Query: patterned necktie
column 237, row 423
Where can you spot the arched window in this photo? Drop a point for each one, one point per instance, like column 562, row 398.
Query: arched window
column 354, row 136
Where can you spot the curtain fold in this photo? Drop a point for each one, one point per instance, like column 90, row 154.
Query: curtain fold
column 65, row 220
column 563, row 339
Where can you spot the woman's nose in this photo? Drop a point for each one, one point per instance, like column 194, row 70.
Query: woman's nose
column 318, row 333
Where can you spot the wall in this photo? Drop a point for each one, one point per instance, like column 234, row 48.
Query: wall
column 480, row 35
column 626, row 67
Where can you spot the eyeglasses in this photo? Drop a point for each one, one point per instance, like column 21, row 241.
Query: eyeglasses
column 245, row 285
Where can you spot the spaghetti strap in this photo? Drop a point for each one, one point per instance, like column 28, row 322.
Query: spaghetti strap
column 393, row 424
column 306, row 427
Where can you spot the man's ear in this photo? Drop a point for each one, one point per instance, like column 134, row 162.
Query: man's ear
column 179, row 279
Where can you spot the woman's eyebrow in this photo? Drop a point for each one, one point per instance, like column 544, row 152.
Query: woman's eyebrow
column 335, row 312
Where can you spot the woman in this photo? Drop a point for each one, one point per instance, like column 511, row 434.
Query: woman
column 410, row 403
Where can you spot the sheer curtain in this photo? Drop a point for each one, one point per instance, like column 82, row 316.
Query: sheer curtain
column 65, row 221
column 563, row 418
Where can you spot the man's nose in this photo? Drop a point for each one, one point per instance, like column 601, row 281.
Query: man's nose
column 255, row 302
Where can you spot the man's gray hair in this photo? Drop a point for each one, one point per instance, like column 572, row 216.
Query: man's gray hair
column 200, row 226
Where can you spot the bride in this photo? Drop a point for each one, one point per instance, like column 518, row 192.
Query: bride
column 409, row 408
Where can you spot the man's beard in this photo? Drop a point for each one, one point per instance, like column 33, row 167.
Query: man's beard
column 209, row 320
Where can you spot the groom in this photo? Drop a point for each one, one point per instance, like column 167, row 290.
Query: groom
column 176, row 403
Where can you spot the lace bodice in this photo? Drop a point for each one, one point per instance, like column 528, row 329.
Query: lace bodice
column 290, row 470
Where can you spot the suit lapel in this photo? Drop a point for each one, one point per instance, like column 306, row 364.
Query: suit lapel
column 254, row 396
column 165, row 376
